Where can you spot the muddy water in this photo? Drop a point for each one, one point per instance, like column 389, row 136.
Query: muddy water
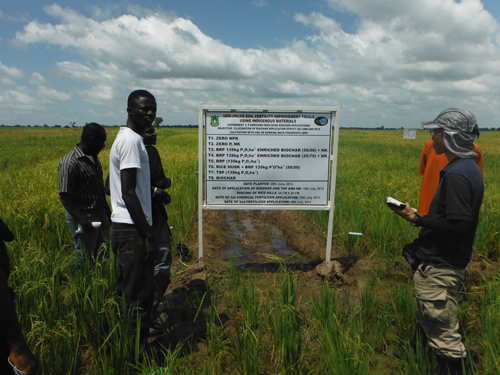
column 238, row 253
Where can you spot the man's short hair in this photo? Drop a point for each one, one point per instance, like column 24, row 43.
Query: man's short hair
column 138, row 94
column 91, row 130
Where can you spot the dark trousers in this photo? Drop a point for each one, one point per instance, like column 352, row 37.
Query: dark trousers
column 163, row 261
column 135, row 275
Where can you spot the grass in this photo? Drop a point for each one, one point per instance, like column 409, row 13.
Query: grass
column 74, row 322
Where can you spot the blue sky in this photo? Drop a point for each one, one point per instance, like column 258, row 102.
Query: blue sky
column 388, row 63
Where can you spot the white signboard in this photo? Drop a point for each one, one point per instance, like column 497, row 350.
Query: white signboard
column 262, row 158
column 410, row 134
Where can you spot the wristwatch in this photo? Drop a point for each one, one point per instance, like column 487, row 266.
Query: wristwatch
column 414, row 220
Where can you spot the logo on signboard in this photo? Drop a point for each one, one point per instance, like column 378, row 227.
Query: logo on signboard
column 321, row 121
column 214, row 121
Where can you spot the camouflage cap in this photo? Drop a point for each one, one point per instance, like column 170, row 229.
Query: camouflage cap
column 459, row 130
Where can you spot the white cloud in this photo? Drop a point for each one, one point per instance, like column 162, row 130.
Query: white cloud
column 48, row 95
column 9, row 75
column 17, row 18
column 37, row 79
column 404, row 55
column 260, row 3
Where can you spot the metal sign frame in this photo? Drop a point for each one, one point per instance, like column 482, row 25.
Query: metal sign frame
column 202, row 155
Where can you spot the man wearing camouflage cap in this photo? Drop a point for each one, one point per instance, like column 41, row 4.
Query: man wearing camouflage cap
column 444, row 244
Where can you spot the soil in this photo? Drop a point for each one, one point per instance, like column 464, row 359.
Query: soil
column 258, row 242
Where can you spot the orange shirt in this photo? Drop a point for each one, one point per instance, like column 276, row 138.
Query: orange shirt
column 430, row 166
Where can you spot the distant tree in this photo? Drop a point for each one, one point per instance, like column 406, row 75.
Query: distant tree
column 45, row 126
column 157, row 122
column 71, row 124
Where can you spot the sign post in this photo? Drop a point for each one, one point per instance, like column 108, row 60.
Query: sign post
column 261, row 158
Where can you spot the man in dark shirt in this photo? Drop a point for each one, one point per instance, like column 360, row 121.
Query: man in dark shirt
column 159, row 182
column 82, row 193
column 444, row 244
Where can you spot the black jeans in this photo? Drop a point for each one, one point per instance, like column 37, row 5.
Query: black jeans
column 135, row 274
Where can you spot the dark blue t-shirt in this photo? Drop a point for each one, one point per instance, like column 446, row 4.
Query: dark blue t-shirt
column 458, row 197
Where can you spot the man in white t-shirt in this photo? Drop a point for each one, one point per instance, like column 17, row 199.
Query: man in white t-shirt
column 132, row 236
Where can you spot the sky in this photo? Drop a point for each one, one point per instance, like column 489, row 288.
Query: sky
column 391, row 63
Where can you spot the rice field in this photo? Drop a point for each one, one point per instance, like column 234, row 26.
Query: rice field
column 73, row 322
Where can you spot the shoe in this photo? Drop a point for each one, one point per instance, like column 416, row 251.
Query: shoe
column 450, row 366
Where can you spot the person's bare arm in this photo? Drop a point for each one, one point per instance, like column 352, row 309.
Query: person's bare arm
column 407, row 213
column 129, row 182
column 70, row 205
column 106, row 186
column 161, row 195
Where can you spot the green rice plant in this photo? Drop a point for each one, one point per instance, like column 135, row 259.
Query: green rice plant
column 420, row 361
column 247, row 349
column 251, row 305
column 489, row 310
column 373, row 318
column 246, row 346
column 325, row 306
column 216, row 347
column 17, row 145
column 119, row 349
column 342, row 347
column 403, row 311
column 285, row 323
column 215, row 340
column 288, row 288
column 74, row 323
column 58, row 343
column 344, row 351
column 288, row 339
column 168, row 362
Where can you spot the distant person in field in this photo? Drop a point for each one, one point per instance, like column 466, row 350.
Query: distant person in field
column 161, row 229
column 15, row 353
column 443, row 249
column 133, row 240
column 429, row 168
column 82, row 193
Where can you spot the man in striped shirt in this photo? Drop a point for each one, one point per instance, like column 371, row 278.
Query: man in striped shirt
column 82, row 193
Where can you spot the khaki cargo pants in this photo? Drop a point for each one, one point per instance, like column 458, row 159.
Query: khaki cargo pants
column 436, row 290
